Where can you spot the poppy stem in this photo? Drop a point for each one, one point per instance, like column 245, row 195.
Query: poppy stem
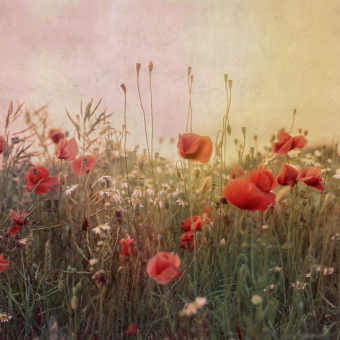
column 193, row 227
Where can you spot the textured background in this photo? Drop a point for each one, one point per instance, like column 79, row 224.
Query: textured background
column 281, row 55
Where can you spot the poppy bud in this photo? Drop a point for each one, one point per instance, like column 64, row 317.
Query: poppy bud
column 206, row 232
column 150, row 66
column 138, row 65
column 229, row 129
column 141, row 162
column 74, row 302
column 242, row 224
column 100, row 243
column 160, row 237
column 62, row 179
column 78, row 288
column 222, row 243
column 123, row 87
column 61, row 286
column 166, row 203
column 252, row 152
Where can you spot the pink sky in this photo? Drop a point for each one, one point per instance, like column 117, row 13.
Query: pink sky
column 280, row 55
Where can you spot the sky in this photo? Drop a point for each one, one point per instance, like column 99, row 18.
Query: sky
column 281, row 56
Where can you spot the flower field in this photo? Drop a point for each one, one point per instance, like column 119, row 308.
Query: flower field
column 98, row 241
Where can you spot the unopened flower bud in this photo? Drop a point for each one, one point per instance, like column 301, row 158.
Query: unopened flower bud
column 229, row 129
column 206, row 232
column 123, row 87
column 74, row 302
column 243, row 130
column 62, row 179
column 141, row 162
column 61, row 285
column 189, row 71
column 166, row 203
column 242, row 224
column 78, row 288
column 222, row 243
column 252, row 152
column 138, row 65
column 150, row 66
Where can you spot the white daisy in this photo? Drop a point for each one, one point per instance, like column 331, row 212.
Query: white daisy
column 103, row 179
column 71, row 188
column 181, row 202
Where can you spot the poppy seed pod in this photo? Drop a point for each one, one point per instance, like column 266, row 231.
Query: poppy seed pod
column 138, row 65
column 123, row 87
column 313, row 273
column 150, row 67
column 78, row 288
column 198, row 236
column 230, row 83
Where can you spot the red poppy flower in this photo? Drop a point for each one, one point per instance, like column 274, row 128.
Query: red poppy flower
column 128, row 244
column 286, row 142
column 198, row 222
column 311, row 177
column 133, row 329
column 56, row 135
column 287, row 175
column 42, row 175
column 164, row 267
column 2, row 144
column 18, row 218
column 238, row 170
column 253, row 192
column 67, row 150
column 13, row 230
column 195, row 147
column 78, row 164
column 188, row 237
column 3, row 263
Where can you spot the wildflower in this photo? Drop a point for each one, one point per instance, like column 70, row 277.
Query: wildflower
column 325, row 169
column 198, row 222
column 18, row 218
column 42, row 177
column 92, row 262
column 308, row 159
column 133, row 329
column 166, row 186
column 158, row 201
column 4, row 317
column 71, row 188
column 56, row 135
column 256, row 299
column 129, row 247
column 23, row 241
column 3, row 263
column 136, row 193
column 311, row 177
column 195, row 147
column 124, row 185
column 80, row 164
column 100, row 278
column 237, row 170
column 192, row 307
column 336, row 236
column 13, row 230
column 2, row 144
column 253, row 192
column 328, row 271
column 103, row 226
column 317, row 153
column 181, row 202
column 175, row 193
column 272, row 286
column 308, row 275
column 277, row 269
column 287, row 175
column 294, row 153
column 188, row 238
column 150, row 191
column 164, row 267
column 67, row 150
column 299, row 285
column 285, row 143
column 337, row 174
column 103, row 179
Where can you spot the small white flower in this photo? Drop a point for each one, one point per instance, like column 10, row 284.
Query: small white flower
column 71, row 188
column 103, row 226
column 299, row 285
column 23, row 241
column 92, row 262
column 166, row 186
column 137, row 193
column 4, row 317
column 158, row 201
column 150, row 191
column 103, row 179
column 181, row 202
column 337, row 174
column 175, row 193
column 277, row 269
column 124, row 185
column 308, row 275
column 294, row 153
column 317, row 153
column 325, row 169
column 309, row 159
